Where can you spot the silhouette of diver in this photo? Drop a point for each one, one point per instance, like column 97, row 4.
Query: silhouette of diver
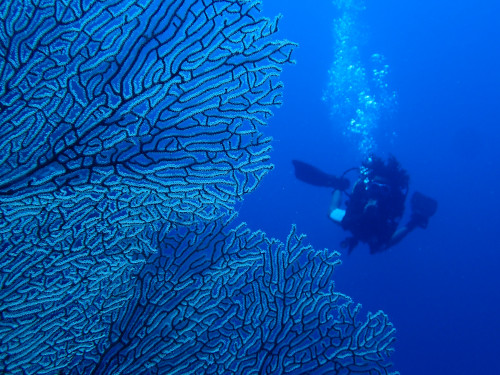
column 375, row 205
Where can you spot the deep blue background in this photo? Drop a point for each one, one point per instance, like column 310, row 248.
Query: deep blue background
column 440, row 286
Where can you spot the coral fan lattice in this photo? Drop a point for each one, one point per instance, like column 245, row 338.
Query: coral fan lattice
column 128, row 129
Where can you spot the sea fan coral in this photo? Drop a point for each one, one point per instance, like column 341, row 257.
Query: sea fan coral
column 128, row 129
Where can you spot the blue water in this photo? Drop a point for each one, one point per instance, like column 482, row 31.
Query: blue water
column 440, row 286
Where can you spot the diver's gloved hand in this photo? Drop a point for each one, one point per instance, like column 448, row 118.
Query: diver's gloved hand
column 423, row 207
column 417, row 220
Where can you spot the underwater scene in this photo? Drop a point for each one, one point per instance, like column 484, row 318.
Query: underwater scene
column 249, row 187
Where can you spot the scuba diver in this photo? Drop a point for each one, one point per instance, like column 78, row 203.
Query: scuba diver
column 376, row 204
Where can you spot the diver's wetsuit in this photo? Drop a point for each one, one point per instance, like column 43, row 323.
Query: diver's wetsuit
column 373, row 212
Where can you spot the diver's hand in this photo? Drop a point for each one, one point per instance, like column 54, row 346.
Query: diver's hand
column 417, row 220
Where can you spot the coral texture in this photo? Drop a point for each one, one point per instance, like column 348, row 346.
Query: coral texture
column 128, row 129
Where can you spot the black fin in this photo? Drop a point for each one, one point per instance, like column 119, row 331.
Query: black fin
column 314, row 176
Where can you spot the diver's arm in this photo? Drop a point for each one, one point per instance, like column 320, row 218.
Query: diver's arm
column 415, row 221
column 398, row 235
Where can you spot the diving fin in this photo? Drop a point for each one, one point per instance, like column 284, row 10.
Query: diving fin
column 314, row 176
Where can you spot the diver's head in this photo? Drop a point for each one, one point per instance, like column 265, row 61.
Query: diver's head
column 390, row 172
